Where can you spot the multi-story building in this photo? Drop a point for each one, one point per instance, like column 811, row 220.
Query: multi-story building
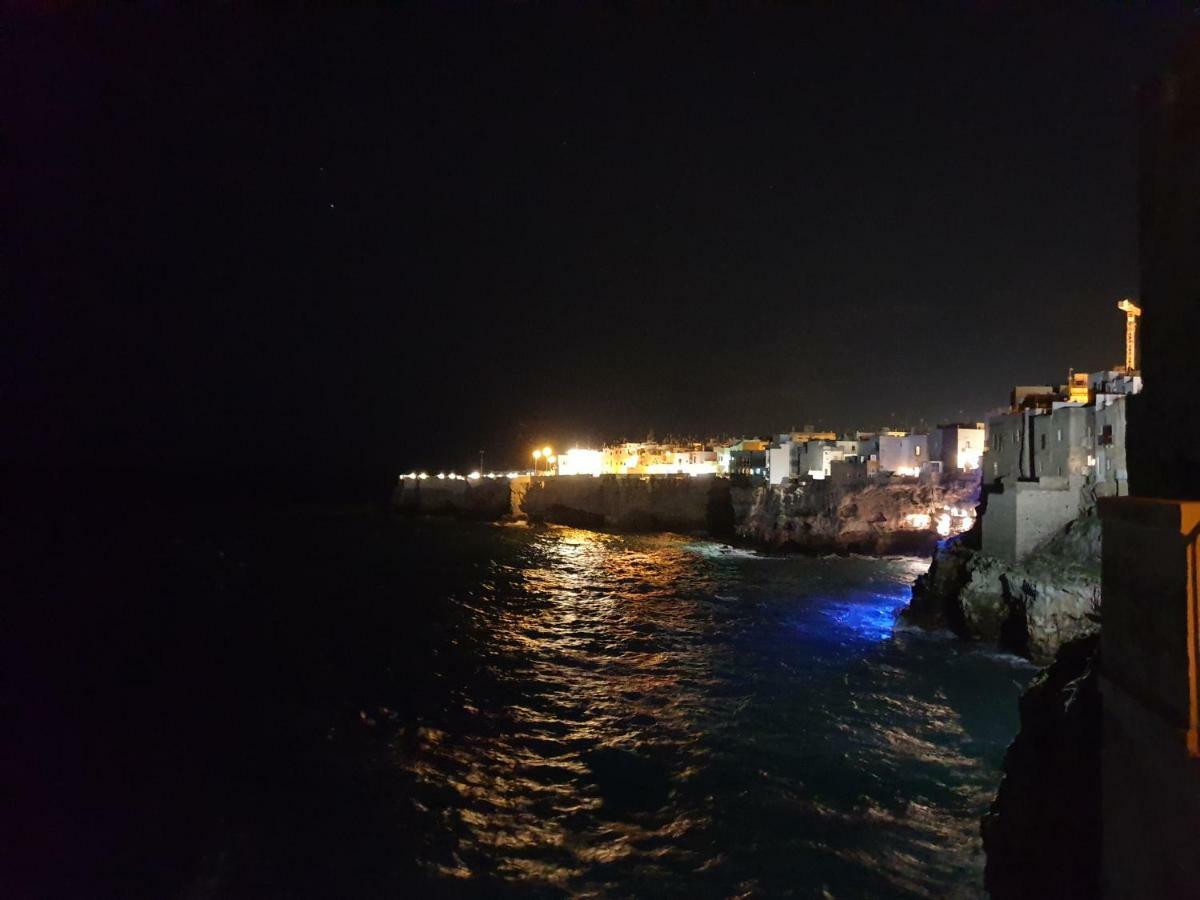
column 1051, row 454
column 958, row 447
column 903, row 454
column 747, row 456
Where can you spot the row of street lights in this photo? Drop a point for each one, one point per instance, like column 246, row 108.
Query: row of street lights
column 547, row 458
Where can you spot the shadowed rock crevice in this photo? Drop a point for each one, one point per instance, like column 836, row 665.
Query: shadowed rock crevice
column 1042, row 832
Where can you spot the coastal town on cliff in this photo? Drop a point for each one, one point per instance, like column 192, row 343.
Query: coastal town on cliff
column 1006, row 506
column 702, row 451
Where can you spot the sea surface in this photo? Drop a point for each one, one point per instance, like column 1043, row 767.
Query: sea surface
column 360, row 706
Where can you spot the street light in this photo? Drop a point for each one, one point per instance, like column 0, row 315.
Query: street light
column 537, row 454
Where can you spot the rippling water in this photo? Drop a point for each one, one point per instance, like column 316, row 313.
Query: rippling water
column 560, row 711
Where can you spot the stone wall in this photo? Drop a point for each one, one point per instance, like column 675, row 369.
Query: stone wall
column 1031, row 608
column 634, row 503
column 481, row 498
column 1026, row 513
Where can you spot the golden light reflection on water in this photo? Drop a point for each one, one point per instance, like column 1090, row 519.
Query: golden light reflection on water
column 621, row 719
column 615, row 666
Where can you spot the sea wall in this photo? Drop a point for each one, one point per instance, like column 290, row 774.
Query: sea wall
column 629, row 503
column 880, row 516
column 479, row 498
column 1031, row 608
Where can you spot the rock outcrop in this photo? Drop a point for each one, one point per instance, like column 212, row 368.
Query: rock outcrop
column 1031, row 608
column 1042, row 833
column 896, row 516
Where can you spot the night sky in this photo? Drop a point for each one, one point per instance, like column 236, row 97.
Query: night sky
column 347, row 245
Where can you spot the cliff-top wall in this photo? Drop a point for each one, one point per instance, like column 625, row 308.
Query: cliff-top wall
column 871, row 517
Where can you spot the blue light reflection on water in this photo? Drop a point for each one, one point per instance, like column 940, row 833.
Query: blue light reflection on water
column 610, row 715
column 860, row 617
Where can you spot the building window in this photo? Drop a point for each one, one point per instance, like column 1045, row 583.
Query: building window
column 1060, row 435
column 1043, row 442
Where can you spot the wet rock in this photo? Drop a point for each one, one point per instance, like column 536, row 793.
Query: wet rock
column 1031, row 608
column 866, row 517
column 1042, row 832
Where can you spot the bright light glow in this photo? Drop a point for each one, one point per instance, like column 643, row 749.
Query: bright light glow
column 917, row 520
column 968, row 460
column 423, row 475
column 580, row 462
column 442, row 475
column 908, row 471
column 943, row 524
column 551, row 459
column 546, row 451
column 514, row 474
column 473, row 476
column 537, row 454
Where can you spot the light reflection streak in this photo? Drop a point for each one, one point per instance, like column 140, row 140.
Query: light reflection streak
column 641, row 692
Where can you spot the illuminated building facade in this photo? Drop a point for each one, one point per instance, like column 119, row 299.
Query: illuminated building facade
column 958, row 447
column 903, row 455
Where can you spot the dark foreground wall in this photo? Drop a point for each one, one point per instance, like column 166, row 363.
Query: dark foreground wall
column 482, row 498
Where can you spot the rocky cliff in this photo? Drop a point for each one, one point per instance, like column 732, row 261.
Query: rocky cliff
column 870, row 517
column 1042, row 832
column 1031, row 608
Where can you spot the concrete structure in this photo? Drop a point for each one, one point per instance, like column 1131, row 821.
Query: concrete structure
column 818, row 456
column 1112, row 469
column 903, row 455
column 958, row 447
column 1026, row 513
column 781, row 462
column 649, row 458
column 1062, row 443
column 1151, row 634
column 851, row 471
column 747, row 456
column 580, row 461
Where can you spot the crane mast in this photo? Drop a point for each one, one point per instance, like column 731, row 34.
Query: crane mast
column 1132, row 311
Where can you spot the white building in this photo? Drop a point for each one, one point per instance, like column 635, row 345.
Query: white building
column 903, row 455
column 781, row 462
column 580, row 461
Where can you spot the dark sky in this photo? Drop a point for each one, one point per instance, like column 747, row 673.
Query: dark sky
column 384, row 239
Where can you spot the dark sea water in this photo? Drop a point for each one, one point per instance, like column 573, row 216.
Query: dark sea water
column 371, row 706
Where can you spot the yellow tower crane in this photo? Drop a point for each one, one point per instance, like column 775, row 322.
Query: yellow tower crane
column 1132, row 311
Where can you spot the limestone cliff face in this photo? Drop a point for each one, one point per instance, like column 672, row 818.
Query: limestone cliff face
column 871, row 517
column 1031, row 608
column 1042, row 832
